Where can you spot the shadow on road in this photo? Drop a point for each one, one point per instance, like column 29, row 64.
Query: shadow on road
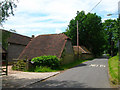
column 82, row 64
column 58, row 84
column 12, row 82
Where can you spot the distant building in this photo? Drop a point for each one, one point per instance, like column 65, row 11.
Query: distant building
column 52, row 44
column 83, row 53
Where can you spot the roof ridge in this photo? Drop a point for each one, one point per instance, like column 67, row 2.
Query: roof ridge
column 86, row 49
column 15, row 33
column 49, row 34
column 82, row 49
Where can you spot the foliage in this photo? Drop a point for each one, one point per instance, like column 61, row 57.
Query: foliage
column 19, row 65
column 6, row 9
column 49, row 61
column 5, row 36
column 91, row 34
column 108, row 55
column 113, row 69
column 111, row 31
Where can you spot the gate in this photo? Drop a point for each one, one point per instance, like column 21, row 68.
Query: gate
column 4, row 62
column 4, row 69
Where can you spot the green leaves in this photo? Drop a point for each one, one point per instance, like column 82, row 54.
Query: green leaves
column 91, row 34
column 111, row 30
column 6, row 9
column 49, row 61
column 19, row 65
column 5, row 36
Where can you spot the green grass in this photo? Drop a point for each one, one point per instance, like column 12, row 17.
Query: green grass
column 43, row 69
column 113, row 69
column 61, row 68
column 73, row 64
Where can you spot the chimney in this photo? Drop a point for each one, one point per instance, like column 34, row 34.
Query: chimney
column 33, row 36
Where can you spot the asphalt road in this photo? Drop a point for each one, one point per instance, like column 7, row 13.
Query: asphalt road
column 91, row 74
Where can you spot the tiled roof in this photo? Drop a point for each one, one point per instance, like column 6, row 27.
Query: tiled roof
column 82, row 49
column 85, row 49
column 17, row 38
column 51, row 44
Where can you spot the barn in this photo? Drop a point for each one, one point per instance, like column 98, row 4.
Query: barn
column 51, row 44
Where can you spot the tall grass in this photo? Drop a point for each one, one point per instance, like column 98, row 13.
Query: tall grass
column 113, row 69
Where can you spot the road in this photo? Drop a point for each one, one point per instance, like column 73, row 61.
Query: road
column 91, row 74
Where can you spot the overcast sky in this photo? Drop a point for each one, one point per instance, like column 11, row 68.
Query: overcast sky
column 53, row 16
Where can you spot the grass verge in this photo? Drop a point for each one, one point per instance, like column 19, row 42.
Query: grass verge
column 73, row 64
column 113, row 70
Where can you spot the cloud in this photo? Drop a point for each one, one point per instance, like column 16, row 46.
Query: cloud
column 58, row 31
column 46, row 16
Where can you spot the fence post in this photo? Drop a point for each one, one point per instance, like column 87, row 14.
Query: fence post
column 27, row 64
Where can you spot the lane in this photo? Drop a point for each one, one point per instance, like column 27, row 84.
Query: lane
column 91, row 74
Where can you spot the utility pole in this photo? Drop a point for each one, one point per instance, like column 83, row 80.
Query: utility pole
column 77, row 36
column 81, row 22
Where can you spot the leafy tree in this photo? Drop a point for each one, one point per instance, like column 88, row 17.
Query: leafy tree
column 6, row 9
column 91, row 34
column 5, row 36
column 111, row 30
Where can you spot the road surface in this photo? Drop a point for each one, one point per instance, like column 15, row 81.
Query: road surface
column 91, row 74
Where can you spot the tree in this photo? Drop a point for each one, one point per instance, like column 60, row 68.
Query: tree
column 91, row 34
column 111, row 30
column 6, row 9
column 5, row 36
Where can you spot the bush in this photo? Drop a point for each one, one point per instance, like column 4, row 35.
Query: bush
column 19, row 65
column 49, row 61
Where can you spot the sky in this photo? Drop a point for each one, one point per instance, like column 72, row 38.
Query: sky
column 36, row 17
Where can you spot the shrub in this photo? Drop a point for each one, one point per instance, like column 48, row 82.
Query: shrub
column 19, row 65
column 49, row 61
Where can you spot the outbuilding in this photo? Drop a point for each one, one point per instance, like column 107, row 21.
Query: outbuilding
column 82, row 52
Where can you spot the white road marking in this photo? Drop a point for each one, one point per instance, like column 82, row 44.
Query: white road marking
column 96, row 65
column 102, row 66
